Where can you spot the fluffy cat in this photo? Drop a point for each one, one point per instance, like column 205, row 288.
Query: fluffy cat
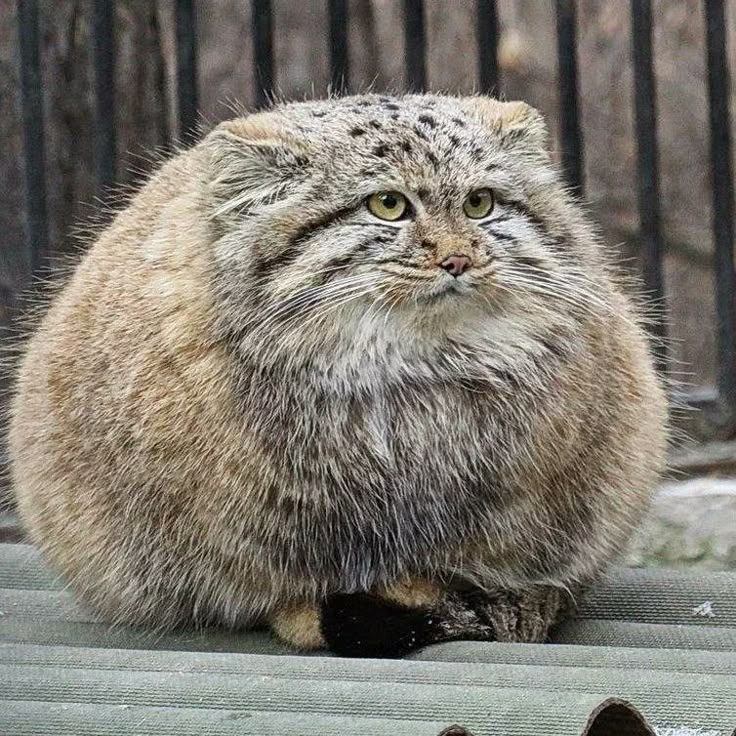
column 357, row 369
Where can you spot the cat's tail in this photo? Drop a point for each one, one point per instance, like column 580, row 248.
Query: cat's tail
column 365, row 625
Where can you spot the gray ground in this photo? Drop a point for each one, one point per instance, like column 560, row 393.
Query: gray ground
column 692, row 524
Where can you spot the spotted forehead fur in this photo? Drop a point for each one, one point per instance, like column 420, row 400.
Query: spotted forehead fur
column 426, row 138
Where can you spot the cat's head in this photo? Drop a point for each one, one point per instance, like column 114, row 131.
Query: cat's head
column 426, row 210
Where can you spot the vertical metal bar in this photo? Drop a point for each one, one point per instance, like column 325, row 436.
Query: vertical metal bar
column 186, row 67
column 31, row 88
column 104, row 59
column 723, row 212
column 414, row 45
column 487, row 16
column 263, row 50
column 567, row 77
column 339, row 58
column 645, row 108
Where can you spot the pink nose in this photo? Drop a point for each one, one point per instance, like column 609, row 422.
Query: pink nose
column 455, row 264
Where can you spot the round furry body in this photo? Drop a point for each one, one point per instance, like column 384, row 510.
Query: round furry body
column 254, row 393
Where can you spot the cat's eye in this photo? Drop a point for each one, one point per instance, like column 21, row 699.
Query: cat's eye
column 388, row 205
column 478, row 204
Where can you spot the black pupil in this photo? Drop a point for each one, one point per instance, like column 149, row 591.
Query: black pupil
column 475, row 200
column 390, row 201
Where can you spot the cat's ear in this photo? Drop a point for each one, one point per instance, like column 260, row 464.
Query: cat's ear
column 517, row 124
column 252, row 160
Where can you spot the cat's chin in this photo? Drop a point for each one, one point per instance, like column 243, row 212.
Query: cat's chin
column 447, row 289
column 446, row 296
column 448, row 316
column 453, row 303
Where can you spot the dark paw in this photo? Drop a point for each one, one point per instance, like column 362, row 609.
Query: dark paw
column 361, row 625
column 517, row 617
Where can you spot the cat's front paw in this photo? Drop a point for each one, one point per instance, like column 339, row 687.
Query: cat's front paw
column 524, row 616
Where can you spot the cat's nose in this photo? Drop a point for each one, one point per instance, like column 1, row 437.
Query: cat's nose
column 456, row 264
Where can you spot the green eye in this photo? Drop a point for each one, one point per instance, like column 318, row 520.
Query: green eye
column 388, row 205
column 478, row 204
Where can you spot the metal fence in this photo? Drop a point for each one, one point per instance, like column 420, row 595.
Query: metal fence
column 718, row 405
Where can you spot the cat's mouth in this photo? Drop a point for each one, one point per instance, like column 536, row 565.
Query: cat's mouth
column 455, row 288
